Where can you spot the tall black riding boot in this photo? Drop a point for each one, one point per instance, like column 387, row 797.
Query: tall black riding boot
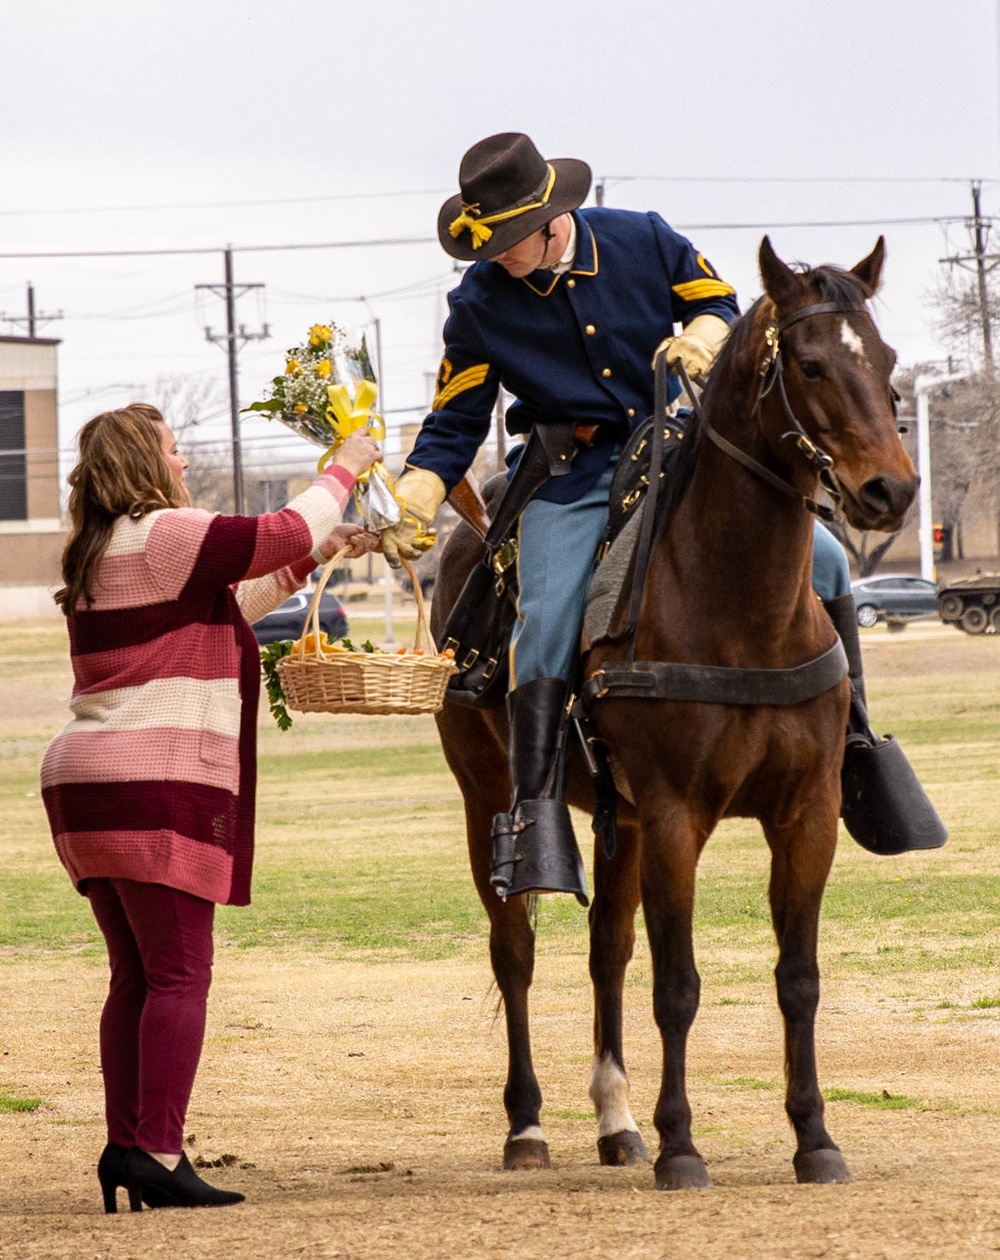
column 884, row 807
column 534, row 848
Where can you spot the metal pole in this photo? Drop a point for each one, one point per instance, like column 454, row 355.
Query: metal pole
column 234, row 389
column 31, row 309
column 390, row 581
column 925, row 524
column 922, row 387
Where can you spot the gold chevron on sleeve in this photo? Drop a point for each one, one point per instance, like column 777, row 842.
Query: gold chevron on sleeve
column 468, row 379
column 695, row 290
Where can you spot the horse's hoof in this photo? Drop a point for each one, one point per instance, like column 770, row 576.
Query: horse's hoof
column 682, row 1172
column 619, row 1150
column 524, row 1154
column 823, row 1167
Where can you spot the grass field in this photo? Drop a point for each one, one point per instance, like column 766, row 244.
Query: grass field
column 362, row 897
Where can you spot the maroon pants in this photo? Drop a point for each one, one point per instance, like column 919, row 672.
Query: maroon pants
column 153, row 1025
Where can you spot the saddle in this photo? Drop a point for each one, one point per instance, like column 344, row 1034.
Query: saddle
column 480, row 624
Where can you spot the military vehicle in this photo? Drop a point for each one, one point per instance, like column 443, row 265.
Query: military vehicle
column 972, row 604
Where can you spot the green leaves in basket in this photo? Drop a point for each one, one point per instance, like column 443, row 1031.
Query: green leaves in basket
column 269, row 658
column 367, row 646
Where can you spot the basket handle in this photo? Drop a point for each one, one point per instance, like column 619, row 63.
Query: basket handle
column 418, row 595
column 312, row 616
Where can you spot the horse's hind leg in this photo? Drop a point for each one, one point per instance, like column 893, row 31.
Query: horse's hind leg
column 612, row 939
column 477, row 757
column 800, row 863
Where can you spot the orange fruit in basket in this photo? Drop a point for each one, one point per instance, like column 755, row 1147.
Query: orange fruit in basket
column 448, row 654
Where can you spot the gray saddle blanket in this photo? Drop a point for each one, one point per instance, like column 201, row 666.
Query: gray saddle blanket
column 610, row 582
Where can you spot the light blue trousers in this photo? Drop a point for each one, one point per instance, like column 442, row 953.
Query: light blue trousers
column 556, row 551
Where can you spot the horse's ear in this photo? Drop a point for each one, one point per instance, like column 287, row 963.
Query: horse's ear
column 869, row 270
column 779, row 280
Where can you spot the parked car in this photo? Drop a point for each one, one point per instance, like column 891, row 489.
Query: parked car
column 893, row 597
column 287, row 621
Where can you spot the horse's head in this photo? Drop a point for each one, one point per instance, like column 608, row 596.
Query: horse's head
column 826, row 403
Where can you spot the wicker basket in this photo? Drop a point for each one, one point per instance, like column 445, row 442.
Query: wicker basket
column 363, row 682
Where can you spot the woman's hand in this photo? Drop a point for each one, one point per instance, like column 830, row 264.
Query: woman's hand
column 357, row 453
column 356, row 537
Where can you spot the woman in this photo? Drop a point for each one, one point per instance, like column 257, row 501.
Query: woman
column 150, row 788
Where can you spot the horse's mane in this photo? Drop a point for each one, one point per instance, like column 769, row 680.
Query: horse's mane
column 734, row 372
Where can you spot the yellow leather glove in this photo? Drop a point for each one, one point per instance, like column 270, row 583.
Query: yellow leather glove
column 697, row 346
column 420, row 493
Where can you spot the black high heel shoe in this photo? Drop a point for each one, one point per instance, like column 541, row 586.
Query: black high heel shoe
column 111, row 1175
column 159, row 1187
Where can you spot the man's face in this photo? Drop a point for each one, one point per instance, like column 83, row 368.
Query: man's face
column 524, row 257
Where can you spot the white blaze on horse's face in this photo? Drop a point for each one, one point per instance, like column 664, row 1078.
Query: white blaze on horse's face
column 852, row 341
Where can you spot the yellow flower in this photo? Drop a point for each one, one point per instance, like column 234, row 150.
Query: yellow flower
column 320, row 334
column 299, row 408
column 323, row 368
column 292, row 367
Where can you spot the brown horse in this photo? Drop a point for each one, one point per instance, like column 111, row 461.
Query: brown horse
column 729, row 585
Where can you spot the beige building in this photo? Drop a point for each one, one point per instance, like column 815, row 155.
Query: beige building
column 32, row 534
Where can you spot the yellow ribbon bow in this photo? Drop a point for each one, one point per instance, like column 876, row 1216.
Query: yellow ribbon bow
column 346, row 416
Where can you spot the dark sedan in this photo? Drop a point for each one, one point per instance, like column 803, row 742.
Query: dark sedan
column 893, row 597
column 287, row 621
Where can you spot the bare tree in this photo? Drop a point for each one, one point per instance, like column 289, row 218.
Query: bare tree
column 187, row 402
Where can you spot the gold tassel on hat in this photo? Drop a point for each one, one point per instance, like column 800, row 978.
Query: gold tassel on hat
column 477, row 229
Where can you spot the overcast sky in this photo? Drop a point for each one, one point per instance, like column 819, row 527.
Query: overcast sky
column 192, row 124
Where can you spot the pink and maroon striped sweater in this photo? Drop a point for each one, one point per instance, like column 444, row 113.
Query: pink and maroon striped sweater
column 154, row 779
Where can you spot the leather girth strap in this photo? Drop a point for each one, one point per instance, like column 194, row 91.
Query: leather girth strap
column 716, row 684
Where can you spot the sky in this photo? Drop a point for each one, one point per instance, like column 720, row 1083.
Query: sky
column 295, row 133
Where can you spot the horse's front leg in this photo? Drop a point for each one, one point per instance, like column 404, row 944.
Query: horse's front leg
column 670, row 849
column 476, row 754
column 612, row 940
column 801, row 856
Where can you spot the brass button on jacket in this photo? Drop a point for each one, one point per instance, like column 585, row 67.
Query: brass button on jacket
column 590, row 330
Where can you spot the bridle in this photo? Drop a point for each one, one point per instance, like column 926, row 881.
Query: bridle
column 772, row 375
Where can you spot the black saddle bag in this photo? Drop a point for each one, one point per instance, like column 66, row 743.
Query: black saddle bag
column 478, row 630
column 479, row 625
column 631, row 479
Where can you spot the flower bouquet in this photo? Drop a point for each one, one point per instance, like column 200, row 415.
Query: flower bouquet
column 327, row 391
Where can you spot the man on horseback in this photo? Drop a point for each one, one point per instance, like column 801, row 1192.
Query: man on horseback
column 565, row 308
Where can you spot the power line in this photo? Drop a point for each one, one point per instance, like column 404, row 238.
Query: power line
column 226, row 205
column 396, row 194
column 378, row 242
column 220, row 249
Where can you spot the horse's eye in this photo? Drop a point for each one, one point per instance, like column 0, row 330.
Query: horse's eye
column 810, row 369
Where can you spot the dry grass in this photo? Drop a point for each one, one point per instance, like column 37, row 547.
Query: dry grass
column 356, row 1075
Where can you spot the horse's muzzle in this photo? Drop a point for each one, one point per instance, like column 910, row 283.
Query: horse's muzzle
column 881, row 503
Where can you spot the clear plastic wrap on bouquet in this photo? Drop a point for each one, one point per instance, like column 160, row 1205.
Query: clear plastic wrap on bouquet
column 327, row 392
column 376, row 503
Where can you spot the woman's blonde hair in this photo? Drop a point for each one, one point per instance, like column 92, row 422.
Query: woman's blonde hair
column 122, row 471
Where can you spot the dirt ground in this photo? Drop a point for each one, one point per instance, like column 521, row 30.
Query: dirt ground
column 362, row 1106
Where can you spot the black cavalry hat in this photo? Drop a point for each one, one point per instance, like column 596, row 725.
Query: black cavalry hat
column 508, row 192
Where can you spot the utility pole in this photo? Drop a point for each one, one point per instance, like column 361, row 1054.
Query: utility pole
column 31, row 321
column 233, row 339
column 983, row 263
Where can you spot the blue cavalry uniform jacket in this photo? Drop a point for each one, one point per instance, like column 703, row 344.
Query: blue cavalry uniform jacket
column 573, row 347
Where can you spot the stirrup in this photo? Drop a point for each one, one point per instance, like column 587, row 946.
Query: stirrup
column 535, row 851
column 884, row 806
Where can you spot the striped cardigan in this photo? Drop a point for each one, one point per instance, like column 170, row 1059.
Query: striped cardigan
column 154, row 779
